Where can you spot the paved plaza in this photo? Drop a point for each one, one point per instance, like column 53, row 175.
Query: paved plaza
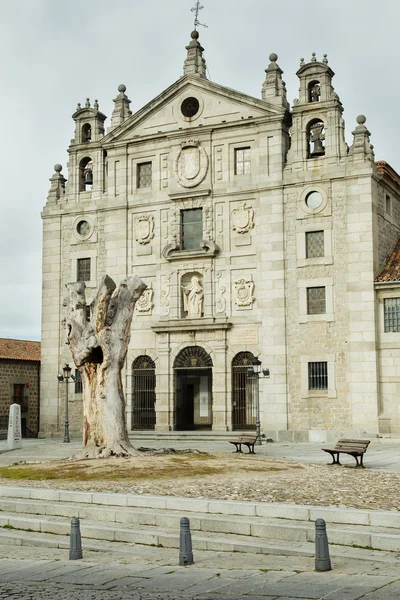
column 151, row 573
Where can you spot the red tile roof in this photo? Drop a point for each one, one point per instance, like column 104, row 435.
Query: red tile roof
column 19, row 349
column 384, row 168
column 391, row 269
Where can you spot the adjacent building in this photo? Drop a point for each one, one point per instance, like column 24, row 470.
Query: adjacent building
column 20, row 383
column 259, row 232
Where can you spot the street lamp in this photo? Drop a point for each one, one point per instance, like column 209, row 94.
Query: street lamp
column 254, row 373
column 65, row 378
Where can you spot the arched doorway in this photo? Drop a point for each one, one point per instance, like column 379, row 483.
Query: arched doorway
column 193, row 389
column 144, row 393
column 243, row 408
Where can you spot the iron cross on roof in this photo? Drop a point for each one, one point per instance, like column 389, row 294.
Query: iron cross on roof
column 196, row 9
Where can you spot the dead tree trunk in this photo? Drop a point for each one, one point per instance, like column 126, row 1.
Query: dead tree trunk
column 99, row 348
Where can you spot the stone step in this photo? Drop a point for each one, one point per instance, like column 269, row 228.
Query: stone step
column 162, row 528
column 17, row 537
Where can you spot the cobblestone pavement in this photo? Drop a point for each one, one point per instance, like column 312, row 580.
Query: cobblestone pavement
column 153, row 574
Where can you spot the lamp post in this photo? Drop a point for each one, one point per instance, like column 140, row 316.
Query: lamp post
column 65, row 378
column 255, row 372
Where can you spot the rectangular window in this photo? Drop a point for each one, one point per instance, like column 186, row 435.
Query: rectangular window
column 191, row 228
column 144, row 175
column 318, row 376
column 388, row 204
column 78, row 382
column 83, row 269
column 242, row 161
column 314, row 244
column 392, row 314
column 316, row 301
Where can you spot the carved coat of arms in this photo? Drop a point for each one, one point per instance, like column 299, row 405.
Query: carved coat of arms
column 191, row 165
column 144, row 228
column 243, row 289
column 144, row 304
column 243, row 218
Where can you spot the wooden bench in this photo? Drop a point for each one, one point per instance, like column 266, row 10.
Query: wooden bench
column 245, row 439
column 356, row 449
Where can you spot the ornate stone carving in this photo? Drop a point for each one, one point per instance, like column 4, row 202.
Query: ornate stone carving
column 145, row 304
column 191, row 165
column 144, row 229
column 243, row 218
column 165, row 291
column 193, row 298
column 221, row 301
column 243, row 291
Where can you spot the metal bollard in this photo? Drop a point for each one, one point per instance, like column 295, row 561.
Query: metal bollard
column 322, row 560
column 75, row 542
column 185, row 543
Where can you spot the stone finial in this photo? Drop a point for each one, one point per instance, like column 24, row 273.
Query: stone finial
column 121, row 109
column 274, row 89
column 57, row 187
column 195, row 64
column 313, row 57
column 78, row 106
column 302, row 63
column 325, row 59
column 361, row 148
column 96, row 104
column 87, row 103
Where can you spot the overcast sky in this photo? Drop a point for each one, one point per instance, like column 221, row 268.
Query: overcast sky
column 55, row 53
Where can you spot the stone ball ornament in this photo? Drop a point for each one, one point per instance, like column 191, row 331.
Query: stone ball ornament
column 273, row 57
column 361, row 119
column 58, row 168
column 122, row 88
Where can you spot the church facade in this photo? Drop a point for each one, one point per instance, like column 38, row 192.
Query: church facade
column 260, row 235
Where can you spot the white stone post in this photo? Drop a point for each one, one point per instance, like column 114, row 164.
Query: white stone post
column 14, row 437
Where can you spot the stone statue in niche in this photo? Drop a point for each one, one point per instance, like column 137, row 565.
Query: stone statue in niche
column 315, row 92
column 243, row 289
column 144, row 228
column 317, row 136
column 243, row 218
column 193, row 298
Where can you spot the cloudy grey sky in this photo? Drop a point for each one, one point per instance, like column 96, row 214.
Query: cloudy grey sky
column 55, row 53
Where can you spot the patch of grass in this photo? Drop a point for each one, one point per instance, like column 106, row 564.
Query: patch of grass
column 8, row 527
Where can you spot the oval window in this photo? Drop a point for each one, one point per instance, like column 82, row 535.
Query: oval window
column 190, row 107
column 83, row 228
column 314, row 199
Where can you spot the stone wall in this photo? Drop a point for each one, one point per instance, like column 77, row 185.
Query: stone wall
column 20, row 372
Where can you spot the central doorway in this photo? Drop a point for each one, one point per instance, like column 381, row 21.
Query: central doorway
column 193, row 389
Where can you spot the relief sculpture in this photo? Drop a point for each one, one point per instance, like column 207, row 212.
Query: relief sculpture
column 191, row 165
column 243, row 218
column 243, row 292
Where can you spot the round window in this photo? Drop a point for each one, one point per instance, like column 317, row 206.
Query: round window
column 190, row 107
column 314, row 199
column 83, row 228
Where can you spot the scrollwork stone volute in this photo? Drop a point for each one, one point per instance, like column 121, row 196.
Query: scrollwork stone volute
column 243, row 218
column 243, row 292
column 144, row 229
column 191, row 165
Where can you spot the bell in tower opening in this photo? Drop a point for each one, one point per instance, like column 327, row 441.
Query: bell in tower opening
column 316, row 137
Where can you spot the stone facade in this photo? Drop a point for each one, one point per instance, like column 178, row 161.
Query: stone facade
column 19, row 382
column 258, row 232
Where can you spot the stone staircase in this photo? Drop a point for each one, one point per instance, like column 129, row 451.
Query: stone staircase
column 116, row 522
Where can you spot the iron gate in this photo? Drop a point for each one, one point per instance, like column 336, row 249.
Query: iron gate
column 144, row 393
column 243, row 409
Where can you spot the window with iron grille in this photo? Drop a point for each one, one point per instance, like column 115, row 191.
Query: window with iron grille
column 317, row 375
column 191, row 228
column 316, row 303
column 144, row 393
column 314, row 244
column 243, row 402
column 144, row 175
column 83, row 269
column 242, row 161
column 392, row 314
column 78, row 382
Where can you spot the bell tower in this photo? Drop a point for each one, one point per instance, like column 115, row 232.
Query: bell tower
column 317, row 136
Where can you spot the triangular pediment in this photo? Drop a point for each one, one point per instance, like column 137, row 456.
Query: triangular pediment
column 217, row 105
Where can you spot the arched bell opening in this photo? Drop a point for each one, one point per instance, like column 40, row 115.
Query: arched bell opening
column 314, row 91
column 143, row 393
column 243, row 402
column 86, row 135
column 193, row 389
column 316, row 138
column 85, row 174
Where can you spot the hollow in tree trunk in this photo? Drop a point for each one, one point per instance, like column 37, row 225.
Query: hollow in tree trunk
column 99, row 348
